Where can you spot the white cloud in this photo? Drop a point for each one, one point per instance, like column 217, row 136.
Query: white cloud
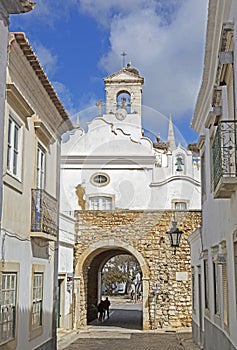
column 47, row 59
column 106, row 10
column 47, row 12
column 65, row 96
column 164, row 40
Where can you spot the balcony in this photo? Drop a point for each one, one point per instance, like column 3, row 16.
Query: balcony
column 44, row 215
column 224, row 158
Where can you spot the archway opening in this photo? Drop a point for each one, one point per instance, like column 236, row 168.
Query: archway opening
column 121, row 276
column 87, row 282
column 117, row 275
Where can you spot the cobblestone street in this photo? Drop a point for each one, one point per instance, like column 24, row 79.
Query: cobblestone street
column 121, row 332
column 123, row 341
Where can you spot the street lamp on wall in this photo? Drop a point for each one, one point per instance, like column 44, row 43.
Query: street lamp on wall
column 174, row 235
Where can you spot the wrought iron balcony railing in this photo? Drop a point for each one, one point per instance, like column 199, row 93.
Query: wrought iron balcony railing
column 44, row 214
column 224, row 159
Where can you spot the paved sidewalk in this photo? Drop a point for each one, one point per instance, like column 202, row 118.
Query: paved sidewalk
column 124, row 331
column 67, row 337
column 186, row 341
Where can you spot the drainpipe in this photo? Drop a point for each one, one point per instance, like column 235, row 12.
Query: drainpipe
column 3, row 65
column 56, row 251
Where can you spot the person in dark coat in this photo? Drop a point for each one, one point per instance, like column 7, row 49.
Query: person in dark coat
column 101, row 310
column 106, row 303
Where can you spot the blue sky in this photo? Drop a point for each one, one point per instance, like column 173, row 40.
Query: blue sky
column 79, row 42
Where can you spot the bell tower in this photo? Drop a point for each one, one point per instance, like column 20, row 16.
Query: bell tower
column 124, row 92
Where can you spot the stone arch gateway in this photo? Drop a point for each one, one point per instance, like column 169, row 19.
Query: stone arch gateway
column 102, row 235
column 89, row 266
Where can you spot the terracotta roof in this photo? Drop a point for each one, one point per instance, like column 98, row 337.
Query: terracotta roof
column 34, row 62
column 161, row 145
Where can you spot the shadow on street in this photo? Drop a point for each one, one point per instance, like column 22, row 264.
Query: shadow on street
column 124, row 315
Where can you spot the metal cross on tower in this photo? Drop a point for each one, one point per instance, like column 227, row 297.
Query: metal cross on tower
column 124, row 54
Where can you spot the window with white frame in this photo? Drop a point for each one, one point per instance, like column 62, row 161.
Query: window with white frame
column 100, row 203
column 180, row 205
column 8, row 306
column 40, row 174
column 37, row 302
column 225, row 295
column 14, row 153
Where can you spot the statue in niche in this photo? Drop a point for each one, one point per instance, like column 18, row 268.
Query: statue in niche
column 80, row 192
column 124, row 103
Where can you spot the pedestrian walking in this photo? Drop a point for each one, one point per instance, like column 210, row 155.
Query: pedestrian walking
column 106, row 303
column 101, row 310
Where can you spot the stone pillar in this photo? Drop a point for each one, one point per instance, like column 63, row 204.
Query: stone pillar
column 76, row 302
column 145, row 299
column 99, row 294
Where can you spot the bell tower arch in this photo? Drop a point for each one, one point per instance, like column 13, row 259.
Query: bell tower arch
column 124, row 91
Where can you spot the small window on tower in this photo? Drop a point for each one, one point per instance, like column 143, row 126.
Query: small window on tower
column 100, row 179
column 180, row 205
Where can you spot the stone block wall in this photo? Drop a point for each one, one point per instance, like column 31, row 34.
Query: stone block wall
column 101, row 234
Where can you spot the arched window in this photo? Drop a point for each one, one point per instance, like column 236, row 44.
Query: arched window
column 124, row 101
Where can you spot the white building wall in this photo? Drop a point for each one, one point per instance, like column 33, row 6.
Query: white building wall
column 65, row 269
column 219, row 224
column 20, row 251
column 25, row 250
column 195, row 240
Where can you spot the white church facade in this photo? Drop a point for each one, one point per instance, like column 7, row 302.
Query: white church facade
column 114, row 168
